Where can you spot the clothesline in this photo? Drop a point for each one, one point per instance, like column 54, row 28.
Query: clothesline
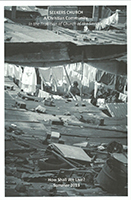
column 56, row 77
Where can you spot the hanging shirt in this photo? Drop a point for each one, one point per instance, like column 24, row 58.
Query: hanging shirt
column 17, row 72
column 29, row 80
column 9, row 70
column 45, row 73
column 89, row 74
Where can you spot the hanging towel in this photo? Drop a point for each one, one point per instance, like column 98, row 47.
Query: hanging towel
column 45, row 74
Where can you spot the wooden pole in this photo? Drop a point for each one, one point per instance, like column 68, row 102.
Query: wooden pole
column 98, row 14
column 67, row 75
column 13, row 14
column 93, row 12
column 82, row 63
column 74, row 97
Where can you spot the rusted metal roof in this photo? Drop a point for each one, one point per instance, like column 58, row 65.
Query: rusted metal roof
column 117, row 109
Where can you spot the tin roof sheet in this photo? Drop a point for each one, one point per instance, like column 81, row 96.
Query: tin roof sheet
column 22, row 8
column 72, row 152
column 21, row 33
column 117, row 109
column 122, row 58
column 24, row 34
column 94, row 37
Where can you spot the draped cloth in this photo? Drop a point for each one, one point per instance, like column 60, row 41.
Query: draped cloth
column 51, row 76
column 29, row 80
column 106, row 78
column 123, row 97
column 113, row 19
column 120, row 83
column 9, row 70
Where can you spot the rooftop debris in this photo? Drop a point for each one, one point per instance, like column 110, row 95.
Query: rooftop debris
column 117, row 109
column 71, row 152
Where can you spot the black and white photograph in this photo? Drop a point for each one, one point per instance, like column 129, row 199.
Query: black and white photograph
column 65, row 100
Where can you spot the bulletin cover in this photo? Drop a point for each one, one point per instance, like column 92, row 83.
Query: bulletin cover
column 65, row 99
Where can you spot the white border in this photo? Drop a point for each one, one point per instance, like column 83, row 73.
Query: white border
column 55, row 3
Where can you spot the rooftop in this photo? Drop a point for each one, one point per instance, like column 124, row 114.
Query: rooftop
column 19, row 33
column 24, row 34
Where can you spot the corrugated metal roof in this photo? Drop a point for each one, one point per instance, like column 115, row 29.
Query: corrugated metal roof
column 6, row 20
column 22, row 8
column 71, row 152
column 20, row 33
column 43, row 12
column 117, row 109
column 94, row 37
column 28, row 9
column 122, row 58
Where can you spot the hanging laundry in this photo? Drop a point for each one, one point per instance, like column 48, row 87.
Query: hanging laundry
column 5, row 69
column 74, row 71
column 123, row 97
column 29, row 80
column 89, row 74
column 125, row 88
column 17, row 75
column 9, row 70
column 113, row 19
column 85, row 81
column 106, row 12
column 79, row 67
column 57, row 76
column 75, row 76
column 17, row 72
column 51, row 76
column 73, row 67
column 106, row 78
column 99, row 75
column 43, row 94
column 120, row 83
column 96, row 86
column 62, row 87
column 57, row 73
column 45, row 74
column 53, row 83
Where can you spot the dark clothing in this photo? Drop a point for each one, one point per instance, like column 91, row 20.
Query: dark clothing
column 75, row 90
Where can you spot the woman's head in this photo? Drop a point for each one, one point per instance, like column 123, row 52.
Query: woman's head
column 75, row 83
